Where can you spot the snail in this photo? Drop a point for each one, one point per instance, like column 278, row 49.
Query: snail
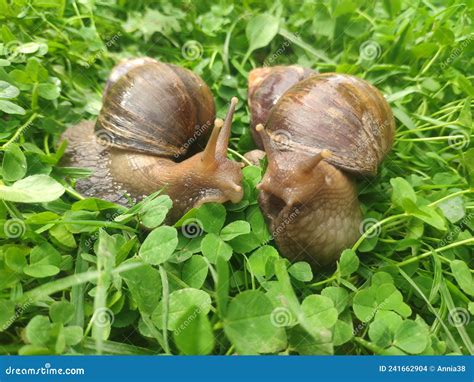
column 154, row 116
column 321, row 134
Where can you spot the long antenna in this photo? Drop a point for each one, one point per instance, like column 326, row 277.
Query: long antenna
column 209, row 153
column 223, row 141
column 315, row 160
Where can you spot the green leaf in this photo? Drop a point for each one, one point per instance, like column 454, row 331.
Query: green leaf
column 222, row 286
column 404, row 118
column 429, row 216
column 63, row 236
column 319, row 311
column 388, row 297
column 11, row 108
column 465, row 116
column 470, row 307
column 252, row 174
column 93, row 204
column 15, row 258
column 380, row 297
column 45, row 253
column 7, row 314
column 195, row 271
column 379, row 334
column 180, row 302
column 106, row 250
column 391, row 319
column 73, row 335
column 48, row 91
column 28, row 48
column 348, row 263
column 301, row 271
column 61, row 312
column 343, row 7
column 411, row 337
column 403, row 194
column 154, row 212
column 338, row 295
column 453, row 209
column 80, row 215
column 8, row 90
column 463, row 276
column 260, row 260
column 259, row 226
column 249, row 327
column 245, row 243
column 319, row 343
column 32, row 189
column 381, row 277
column 41, row 270
column 159, row 245
column 14, row 163
column 287, row 295
column 342, row 332
column 212, row 247
column 194, row 334
column 42, row 218
column 151, row 21
column 235, row 229
column 260, row 31
column 38, row 331
column 324, row 24
column 468, row 162
column 144, row 283
column 211, row 216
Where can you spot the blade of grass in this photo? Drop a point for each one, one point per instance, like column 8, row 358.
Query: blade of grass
column 430, row 307
column 166, row 306
column 460, row 328
column 155, row 332
column 56, row 286
column 77, row 291
column 105, row 263
column 113, row 348
column 307, row 47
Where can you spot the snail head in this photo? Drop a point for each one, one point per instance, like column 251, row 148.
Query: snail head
column 219, row 177
column 292, row 181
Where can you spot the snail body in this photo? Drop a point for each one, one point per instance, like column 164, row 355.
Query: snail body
column 154, row 116
column 321, row 133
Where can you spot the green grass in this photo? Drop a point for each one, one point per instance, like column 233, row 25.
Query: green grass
column 77, row 276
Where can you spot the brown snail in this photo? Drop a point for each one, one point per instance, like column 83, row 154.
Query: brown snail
column 154, row 115
column 320, row 134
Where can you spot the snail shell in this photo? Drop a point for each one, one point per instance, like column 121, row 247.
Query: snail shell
column 338, row 112
column 137, row 102
column 266, row 86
